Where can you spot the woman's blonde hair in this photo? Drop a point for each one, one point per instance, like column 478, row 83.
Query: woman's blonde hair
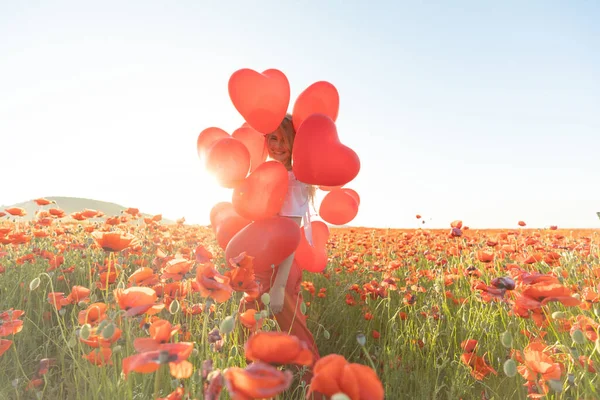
column 286, row 128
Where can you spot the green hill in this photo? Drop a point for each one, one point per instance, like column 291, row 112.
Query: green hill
column 74, row 204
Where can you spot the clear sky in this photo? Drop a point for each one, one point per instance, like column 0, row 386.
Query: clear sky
column 485, row 111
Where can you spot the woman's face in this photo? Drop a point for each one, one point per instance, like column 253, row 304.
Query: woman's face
column 278, row 150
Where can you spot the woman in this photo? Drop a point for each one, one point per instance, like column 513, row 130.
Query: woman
column 284, row 289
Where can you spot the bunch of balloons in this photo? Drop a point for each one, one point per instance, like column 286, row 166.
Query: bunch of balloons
column 239, row 161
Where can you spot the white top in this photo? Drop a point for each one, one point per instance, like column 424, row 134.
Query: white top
column 296, row 200
column 296, row 204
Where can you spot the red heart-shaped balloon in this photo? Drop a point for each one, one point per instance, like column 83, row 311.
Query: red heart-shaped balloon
column 229, row 161
column 352, row 193
column 318, row 157
column 320, row 97
column 262, row 193
column 226, row 222
column 255, row 143
column 207, row 138
column 262, row 99
column 219, row 211
column 313, row 258
column 269, row 241
column 339, row 206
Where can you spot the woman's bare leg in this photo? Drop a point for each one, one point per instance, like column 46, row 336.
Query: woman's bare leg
column 283, row 271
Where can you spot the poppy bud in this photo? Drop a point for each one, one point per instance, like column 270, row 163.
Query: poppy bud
column 108, row 331
column 34, row 284
column 72, row 342
column 102, row 325
column 578, row 337
column 506, row 339
column 555, row 385
column 174, row 307
column 574, row 352
column 510, row 368
column 85, row 331
column 265, row 298
column 558, row 315
column 361, row 339
column 340, row 396
column 227, row 325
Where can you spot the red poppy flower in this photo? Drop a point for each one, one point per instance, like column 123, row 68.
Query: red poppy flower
column 257, row 381
column 161, row 330
column 334, row 374
column 4, row 345
column 538, row 364
column 16, row 211
column 212, row 284
column 79, row 293
column 143, row 276
column 114, row 241
column 43, row 202
column 138, row 300
column 10, row 327
column 56, row 212
column 58, row 300
column 97, row 339
column 176, row 269
column 278, row 348
column 248, row 320
column 100, row 356
column 479, row 368
column 93, row 314
column 171, row 353
column 87, row 213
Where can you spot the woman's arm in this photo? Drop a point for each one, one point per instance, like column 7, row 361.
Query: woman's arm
column 283, row 272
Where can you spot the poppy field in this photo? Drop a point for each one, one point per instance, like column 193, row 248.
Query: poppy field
column 126, row 307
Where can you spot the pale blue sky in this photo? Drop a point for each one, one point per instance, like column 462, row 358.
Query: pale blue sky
column 483, row 111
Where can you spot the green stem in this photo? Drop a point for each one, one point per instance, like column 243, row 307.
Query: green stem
column 368, row 358
column 110, row 256
column 157, row 382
